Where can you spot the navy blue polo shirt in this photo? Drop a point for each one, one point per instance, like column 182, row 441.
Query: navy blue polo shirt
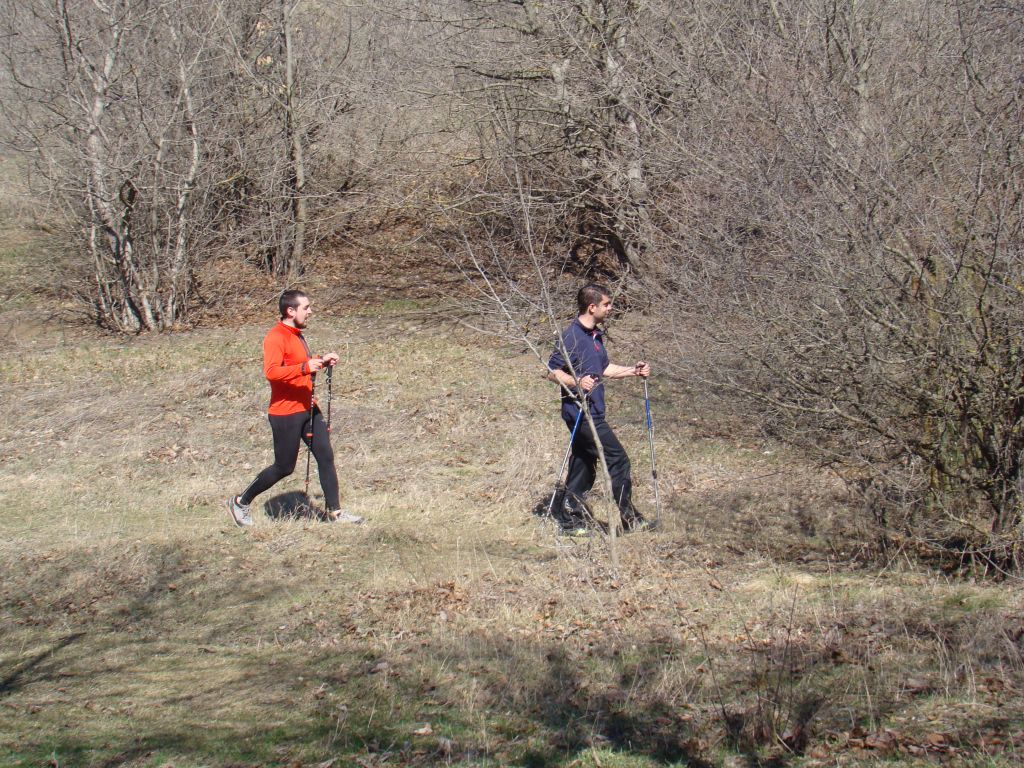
column 586, row 351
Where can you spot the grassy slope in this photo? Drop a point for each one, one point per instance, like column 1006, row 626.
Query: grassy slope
column 139, row 627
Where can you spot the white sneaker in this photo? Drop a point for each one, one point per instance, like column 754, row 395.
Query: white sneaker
column 337, row 516
column 239, row 512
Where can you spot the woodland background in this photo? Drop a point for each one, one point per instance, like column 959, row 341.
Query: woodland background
column 819, row 202
column 810, row 214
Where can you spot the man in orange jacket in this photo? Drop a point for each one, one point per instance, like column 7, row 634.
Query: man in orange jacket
column 294, row 415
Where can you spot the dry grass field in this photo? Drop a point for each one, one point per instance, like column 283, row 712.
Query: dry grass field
column 140, row 627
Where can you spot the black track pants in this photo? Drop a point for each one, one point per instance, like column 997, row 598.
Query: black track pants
column 289, row 431
column 583, row 465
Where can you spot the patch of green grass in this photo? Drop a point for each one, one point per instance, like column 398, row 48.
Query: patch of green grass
column 965, row 600
column 398, row 306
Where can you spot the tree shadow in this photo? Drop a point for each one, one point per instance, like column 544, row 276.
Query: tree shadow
column 584, row 718
column 543, row 702
column 13, row 680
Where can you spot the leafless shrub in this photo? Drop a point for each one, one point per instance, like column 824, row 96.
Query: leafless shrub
column 105, row 97
column 853, row 260
column 169, row 132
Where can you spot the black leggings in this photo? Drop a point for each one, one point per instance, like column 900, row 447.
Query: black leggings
column 288, row 432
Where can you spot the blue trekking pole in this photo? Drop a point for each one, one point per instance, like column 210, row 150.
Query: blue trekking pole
column 572, row 437
column 654, row 466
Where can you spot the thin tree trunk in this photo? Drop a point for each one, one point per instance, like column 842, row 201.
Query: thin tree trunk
column 117, row 237
column 293, row 133
column 179, row 272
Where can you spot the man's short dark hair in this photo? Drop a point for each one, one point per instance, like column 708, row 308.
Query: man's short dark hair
column 290, row 299
column 591, row 293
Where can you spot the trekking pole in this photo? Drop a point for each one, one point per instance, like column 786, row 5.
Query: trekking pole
column 330, row 381
column 309, row 434
column 565, row 460
column 654, row 466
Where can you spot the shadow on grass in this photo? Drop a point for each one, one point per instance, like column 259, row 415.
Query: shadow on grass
column 28, row 669
column 293, row 505
column 515, row 702
column 552, row 506
column 359, row 688
column 531, row 701
column 580, row 718
column 556, row 718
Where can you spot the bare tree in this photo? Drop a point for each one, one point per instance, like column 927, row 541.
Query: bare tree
column 171, row 132
column 105, row 100
column 568, row 91
column 854, row 260
column 316, row 122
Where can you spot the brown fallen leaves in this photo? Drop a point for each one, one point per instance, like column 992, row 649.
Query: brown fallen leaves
column 888, row 741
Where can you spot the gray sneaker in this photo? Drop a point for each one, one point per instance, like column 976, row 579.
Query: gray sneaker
column 239, row 512
column 337, row 516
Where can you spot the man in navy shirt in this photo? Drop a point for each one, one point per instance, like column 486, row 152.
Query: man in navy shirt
column 581, row 357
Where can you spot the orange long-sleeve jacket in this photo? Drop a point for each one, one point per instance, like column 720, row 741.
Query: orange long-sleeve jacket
column 285, row 358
